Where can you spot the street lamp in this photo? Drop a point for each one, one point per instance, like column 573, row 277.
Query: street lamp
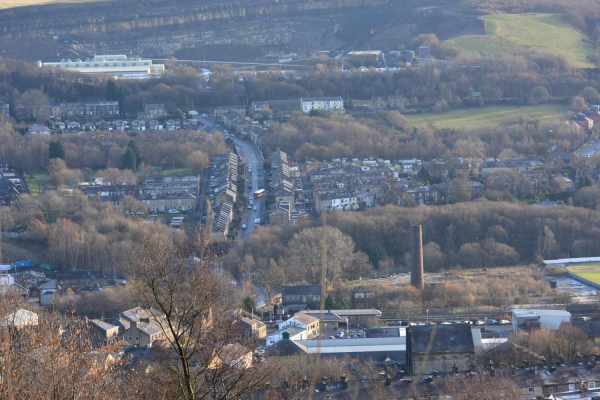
column 325, row 333
column 427, row 317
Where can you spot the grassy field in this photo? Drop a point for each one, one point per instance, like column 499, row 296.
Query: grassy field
column 547, row 33
column 37, row 183
column 587, row 271
column 4, row 4
column 470, row 118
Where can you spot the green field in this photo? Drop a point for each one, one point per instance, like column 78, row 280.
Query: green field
column 587, row 271
column 546, row 33
column 471, row 118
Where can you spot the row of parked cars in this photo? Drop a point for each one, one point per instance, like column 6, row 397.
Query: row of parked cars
column 342, row 335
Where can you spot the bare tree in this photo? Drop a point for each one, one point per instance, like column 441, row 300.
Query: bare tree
column 178, row 279
column 482, row 386
column 306, row 247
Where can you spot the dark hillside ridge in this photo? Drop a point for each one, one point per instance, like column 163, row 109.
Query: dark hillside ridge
column 159, row 28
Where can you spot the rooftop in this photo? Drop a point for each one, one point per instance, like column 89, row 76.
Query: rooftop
column 441, row 338
column 305, row 318
column 532, row 313
column 292, row 331
column 301, row 290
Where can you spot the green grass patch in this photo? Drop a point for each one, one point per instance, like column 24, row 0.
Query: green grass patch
column 37, row 182
column 472, row 118
column 179, row 172
column 545, row 33
column 587, row 271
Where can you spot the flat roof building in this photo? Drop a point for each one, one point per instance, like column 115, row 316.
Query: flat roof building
column 116, row 65
column 531, row 320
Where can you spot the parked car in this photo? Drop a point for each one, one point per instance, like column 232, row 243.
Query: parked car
column 360, row 333
column 172, row 211
column 340, row 335
column 479, row 323
column 243, row 226
column 445, row 323
column 249, row 206
column 257, row 221
column 254, row 209
column 331, row 337
column 504, row 322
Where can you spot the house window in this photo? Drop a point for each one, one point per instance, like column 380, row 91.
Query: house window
column 531, row 390
column 591, row 385
column 571, row 387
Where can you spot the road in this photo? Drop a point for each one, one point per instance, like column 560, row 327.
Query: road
column 253, row 158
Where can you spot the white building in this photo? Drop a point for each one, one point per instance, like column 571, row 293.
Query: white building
column 322, row 104
column 291, row 333
column 116, row 65
column 548, row 320
column 304, row 321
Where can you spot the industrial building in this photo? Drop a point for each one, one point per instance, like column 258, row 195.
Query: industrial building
column 531, row 320
column 115, row 65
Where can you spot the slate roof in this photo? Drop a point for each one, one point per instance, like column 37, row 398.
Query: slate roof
column 441, row 338
column 383, row 332
column 301, row 290
column 324, row 316
column 284, row 347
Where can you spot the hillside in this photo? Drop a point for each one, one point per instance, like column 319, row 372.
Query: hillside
column 546, row 33
column 154, row 28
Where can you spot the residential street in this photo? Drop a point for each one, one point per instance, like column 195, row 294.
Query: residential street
column 252, row 157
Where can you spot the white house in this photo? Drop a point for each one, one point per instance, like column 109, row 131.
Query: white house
column 322, row 104
column 291, row 333
column 38, row 130
column 301, row 320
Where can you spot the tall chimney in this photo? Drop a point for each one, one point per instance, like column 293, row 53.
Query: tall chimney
column 416, row 256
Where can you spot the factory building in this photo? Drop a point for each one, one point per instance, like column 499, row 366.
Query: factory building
column 116, row 65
